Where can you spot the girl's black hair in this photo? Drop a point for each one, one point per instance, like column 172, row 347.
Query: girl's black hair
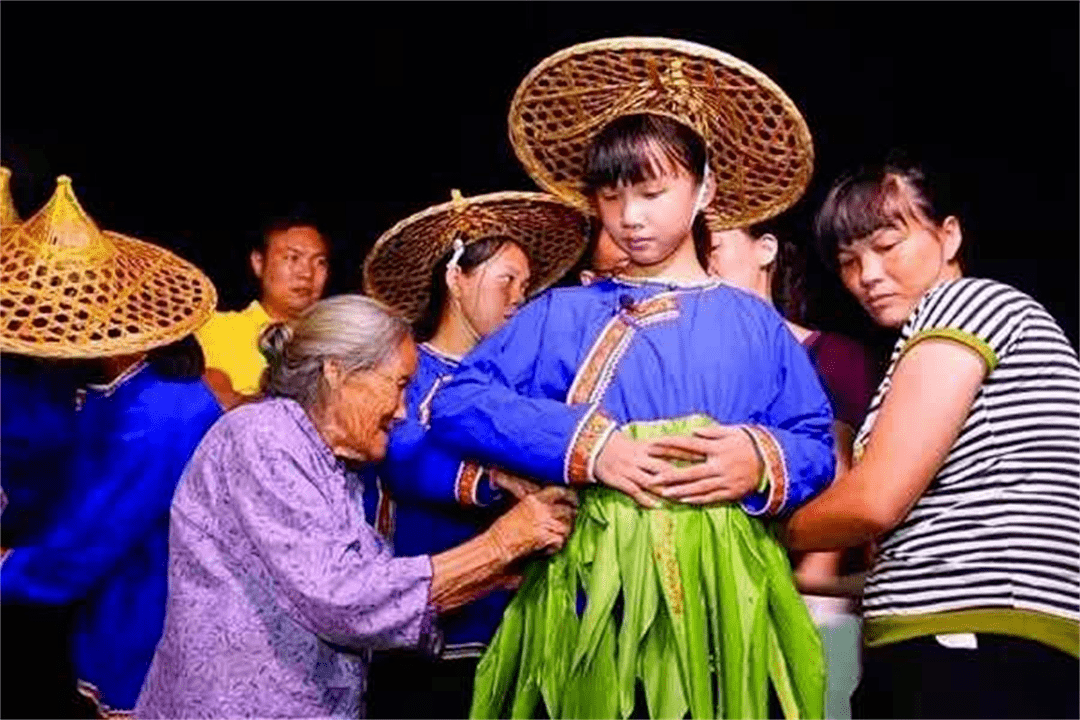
column 625, row 150
column 475, row 253
column 875, row 196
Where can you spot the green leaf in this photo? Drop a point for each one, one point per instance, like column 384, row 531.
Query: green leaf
column 798, row 639
column 695, row 634
column 499, row 664
column 591, row 688
column 602, row 589
column 757, row 653
column 640, row 599
column 532, row 592
column 710, row 575
column 658, row 666
column 560, row 631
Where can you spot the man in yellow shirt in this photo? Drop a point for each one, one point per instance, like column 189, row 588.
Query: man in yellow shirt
column 291, row 265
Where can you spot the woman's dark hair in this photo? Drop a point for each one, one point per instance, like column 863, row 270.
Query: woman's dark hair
column 624, row 151
column 476, row 253
column 788, row 283
column 876, row 196
column 179, row 360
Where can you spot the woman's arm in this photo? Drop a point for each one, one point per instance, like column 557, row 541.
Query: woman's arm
column 419, row 469
column 507, row 408
column 933, row 387
column 540, row 521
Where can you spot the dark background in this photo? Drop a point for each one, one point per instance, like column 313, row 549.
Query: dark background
column 184, row 124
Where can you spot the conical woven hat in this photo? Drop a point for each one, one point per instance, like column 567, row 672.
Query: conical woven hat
column 759, row 146
column 70, row 290
column 8, row 214
column 398, row 269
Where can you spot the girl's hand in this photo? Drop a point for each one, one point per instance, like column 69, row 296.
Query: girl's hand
column 731, row 471
column 630, row 466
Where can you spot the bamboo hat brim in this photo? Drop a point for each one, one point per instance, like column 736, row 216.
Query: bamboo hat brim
column 71, row 290
column 398, row 269
column 759, row 146
column 8, row 214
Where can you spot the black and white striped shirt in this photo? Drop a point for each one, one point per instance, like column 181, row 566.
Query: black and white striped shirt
column 999, row 525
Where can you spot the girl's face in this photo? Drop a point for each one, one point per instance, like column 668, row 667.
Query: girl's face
column 890, row 270
column 651, row 219
column 492, row 291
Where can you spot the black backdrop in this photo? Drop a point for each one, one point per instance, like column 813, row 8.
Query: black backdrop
column 184, row 123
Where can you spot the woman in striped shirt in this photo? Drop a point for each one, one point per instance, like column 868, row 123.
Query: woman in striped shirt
column 967, row 472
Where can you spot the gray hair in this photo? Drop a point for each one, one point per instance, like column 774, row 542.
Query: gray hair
column 355, row 331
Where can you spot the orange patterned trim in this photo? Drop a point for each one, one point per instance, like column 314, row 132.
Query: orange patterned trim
column 599, row 365
column 613, row 341
column 468, row 478
column 657, row 308
column 593, row 430
column 772, row 457
column 385, row 512
column 91, row 693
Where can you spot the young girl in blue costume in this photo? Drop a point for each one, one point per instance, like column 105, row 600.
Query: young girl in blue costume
column 90, row 480
column 701, row 614
column 458, row 270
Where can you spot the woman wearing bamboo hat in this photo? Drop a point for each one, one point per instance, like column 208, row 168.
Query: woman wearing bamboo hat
column 87, row 517
column 458, row 271
column 693, row 607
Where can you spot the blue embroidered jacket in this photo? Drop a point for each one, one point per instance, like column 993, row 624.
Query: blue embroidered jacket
column 104, row 547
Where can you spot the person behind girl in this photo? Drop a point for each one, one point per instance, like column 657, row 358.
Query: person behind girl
column 757, row 259
column 459, row 271
column 90, row 489
column 967, row 469
column 562, row 390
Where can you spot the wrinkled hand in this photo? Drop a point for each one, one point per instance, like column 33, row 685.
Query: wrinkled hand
column 630, row 466
column 540, row 521
column 731, row 470
column 516, row 485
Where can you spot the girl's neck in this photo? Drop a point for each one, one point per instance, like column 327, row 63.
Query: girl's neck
column 681, row 266
column 452, row 338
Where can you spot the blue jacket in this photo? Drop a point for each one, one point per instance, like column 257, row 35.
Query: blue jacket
column 105, row 546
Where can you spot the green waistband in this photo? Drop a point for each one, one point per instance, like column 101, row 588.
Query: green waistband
column 1057, row 632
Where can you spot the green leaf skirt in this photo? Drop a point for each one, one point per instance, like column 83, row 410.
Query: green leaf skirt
column 697, row 604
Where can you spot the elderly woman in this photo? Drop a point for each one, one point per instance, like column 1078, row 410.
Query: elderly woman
column 277, row 587
column 967, row 470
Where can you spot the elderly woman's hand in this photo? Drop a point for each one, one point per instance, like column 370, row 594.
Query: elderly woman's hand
column 539, row 521
column 516, row 485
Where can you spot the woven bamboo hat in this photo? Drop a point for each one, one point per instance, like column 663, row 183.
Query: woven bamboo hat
column 8, row 214
column 71, row 290
column 759, row 146
column 398, row 269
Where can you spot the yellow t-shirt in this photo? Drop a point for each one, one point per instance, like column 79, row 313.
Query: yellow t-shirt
column 230, row 343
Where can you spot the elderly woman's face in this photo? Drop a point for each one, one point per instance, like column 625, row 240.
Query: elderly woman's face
column 365, row 404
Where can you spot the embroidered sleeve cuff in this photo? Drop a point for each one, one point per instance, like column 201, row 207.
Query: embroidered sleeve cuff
column 771, row 496
column 589, row 437
column 468, row 482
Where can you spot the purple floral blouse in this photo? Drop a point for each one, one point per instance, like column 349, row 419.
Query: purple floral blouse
column 277, row 587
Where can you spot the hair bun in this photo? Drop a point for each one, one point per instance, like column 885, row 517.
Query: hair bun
column 273, row 340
